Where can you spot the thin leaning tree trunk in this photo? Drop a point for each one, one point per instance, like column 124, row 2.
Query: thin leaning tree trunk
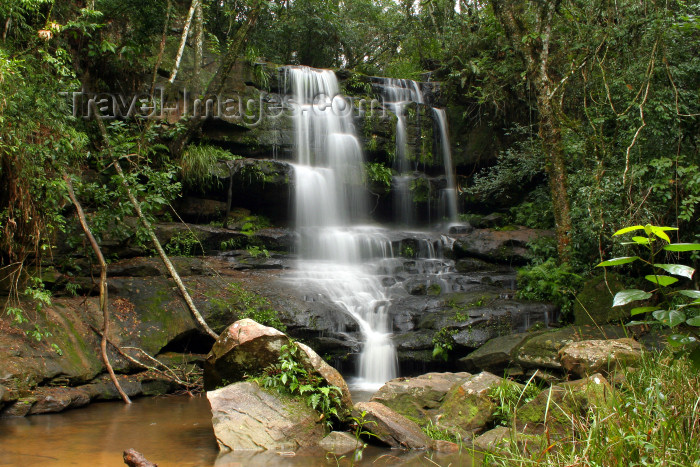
column 183, row 40
column 147, row 225
column 103, row 288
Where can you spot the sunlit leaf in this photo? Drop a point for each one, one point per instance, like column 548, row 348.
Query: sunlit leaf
column 677, row 269
column 663, row 281
column 628, row 229
column 682, row 247
column 641, row 240
column 659, row 232
column 642, row 309
column 694, row 321
column 626, row 296
column 618, row 261
column 670, row 318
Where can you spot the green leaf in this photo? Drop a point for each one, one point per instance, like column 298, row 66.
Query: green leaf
column 663, row 281
column 641, row 240
column 677, row 269
column 678, row 340
column 642, row 309
column 659, row 232
column 690, row 293
column 637, row 323
column 694, row 357
column 618, row 261
column 670, row 318
column 628, row 229
column 694, row 321
column 626, row 296
column 682, row 247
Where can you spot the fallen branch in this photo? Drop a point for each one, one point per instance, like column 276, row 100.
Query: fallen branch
column 103, row 287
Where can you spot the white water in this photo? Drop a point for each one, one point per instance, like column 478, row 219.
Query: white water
column 337, row 252
column 397, row 94
column 450, row 193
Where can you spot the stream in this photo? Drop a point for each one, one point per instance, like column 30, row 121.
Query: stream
column 170, row 431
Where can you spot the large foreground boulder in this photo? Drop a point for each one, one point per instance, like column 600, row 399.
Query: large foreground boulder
column 418, row 398
column 244, row 348
column 247, row 347
column 390, row 427
column 246, row 417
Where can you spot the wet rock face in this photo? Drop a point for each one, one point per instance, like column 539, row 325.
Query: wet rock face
column 245, row 417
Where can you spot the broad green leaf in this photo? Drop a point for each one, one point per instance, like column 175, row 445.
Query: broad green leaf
column 682, row 247
column 641, row 240
column 690, row 293
column 677, row 269
column 694, row 321
column 659, row 232
column 628, row 229
column 626, row 296
column 670, row 318
column 663, row 281
column 642, row 309
column 618, row 261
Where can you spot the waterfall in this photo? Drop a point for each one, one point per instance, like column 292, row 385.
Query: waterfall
column 450, row 193
column 397, row 94
column 337, row 252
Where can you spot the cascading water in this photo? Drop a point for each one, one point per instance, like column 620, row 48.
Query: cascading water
column 337, row 253
column 397, row 94
column 450, row 193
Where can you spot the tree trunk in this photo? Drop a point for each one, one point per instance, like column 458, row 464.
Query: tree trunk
column 103, row 288
column 532, row 40
column 183, row 40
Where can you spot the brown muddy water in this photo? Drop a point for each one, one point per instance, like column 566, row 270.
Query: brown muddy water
column 170, row 431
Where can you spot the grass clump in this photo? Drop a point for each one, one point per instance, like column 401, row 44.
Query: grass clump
column 652, row 418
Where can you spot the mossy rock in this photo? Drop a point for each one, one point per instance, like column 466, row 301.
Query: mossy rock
column 594, row 301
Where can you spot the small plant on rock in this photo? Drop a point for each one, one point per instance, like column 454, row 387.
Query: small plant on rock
column 291, row 377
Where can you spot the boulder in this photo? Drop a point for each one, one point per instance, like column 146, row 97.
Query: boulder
column 467, row 408
column 501, row 437
column 246, row 417
column 50, row 400
column 244, row 348
column 599, row 356
column 247, row 347
column 391, row 428
column 418, row 398
column 340, row 443
column 316, row 365
column 19, row 408
column 560, row 402
column 542, row 350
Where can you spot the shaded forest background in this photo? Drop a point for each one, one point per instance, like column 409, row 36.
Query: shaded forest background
column 595, row 103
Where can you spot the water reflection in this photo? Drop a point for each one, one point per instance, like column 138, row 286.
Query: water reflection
column 170, row 431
